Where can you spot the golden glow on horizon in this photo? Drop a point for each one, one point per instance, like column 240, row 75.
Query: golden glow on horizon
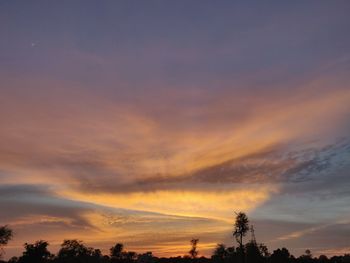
column 207, row 204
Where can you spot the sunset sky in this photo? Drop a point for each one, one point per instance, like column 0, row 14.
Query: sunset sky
column 151, row 122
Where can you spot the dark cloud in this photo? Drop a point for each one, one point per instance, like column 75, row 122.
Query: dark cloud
column 271, row 165
column 21, row 201
column 278, row 164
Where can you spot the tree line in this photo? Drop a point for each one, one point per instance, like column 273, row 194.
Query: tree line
column 75, row 251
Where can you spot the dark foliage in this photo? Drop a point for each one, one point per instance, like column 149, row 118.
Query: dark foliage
column 36, row 252
column 75, row 251
column 5, row 236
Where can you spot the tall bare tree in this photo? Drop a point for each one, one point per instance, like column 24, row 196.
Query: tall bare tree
column 194, row 252
column 241, row 227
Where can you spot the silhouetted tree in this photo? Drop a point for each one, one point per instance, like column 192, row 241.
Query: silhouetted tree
column 129, row 257
column 241, row 228
column 264, row 250
column 323, row 259
column 13, row 260
column 232, row 254
column 193, row 252
column 36, row 252
column 72, row 248
column 280, row 256
column 252, row 252
column 75, row 251
column 116, row 252
column 220, row 253
column 307, row 257
column 346, row 258
column 146, row 258
column 5, row 236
